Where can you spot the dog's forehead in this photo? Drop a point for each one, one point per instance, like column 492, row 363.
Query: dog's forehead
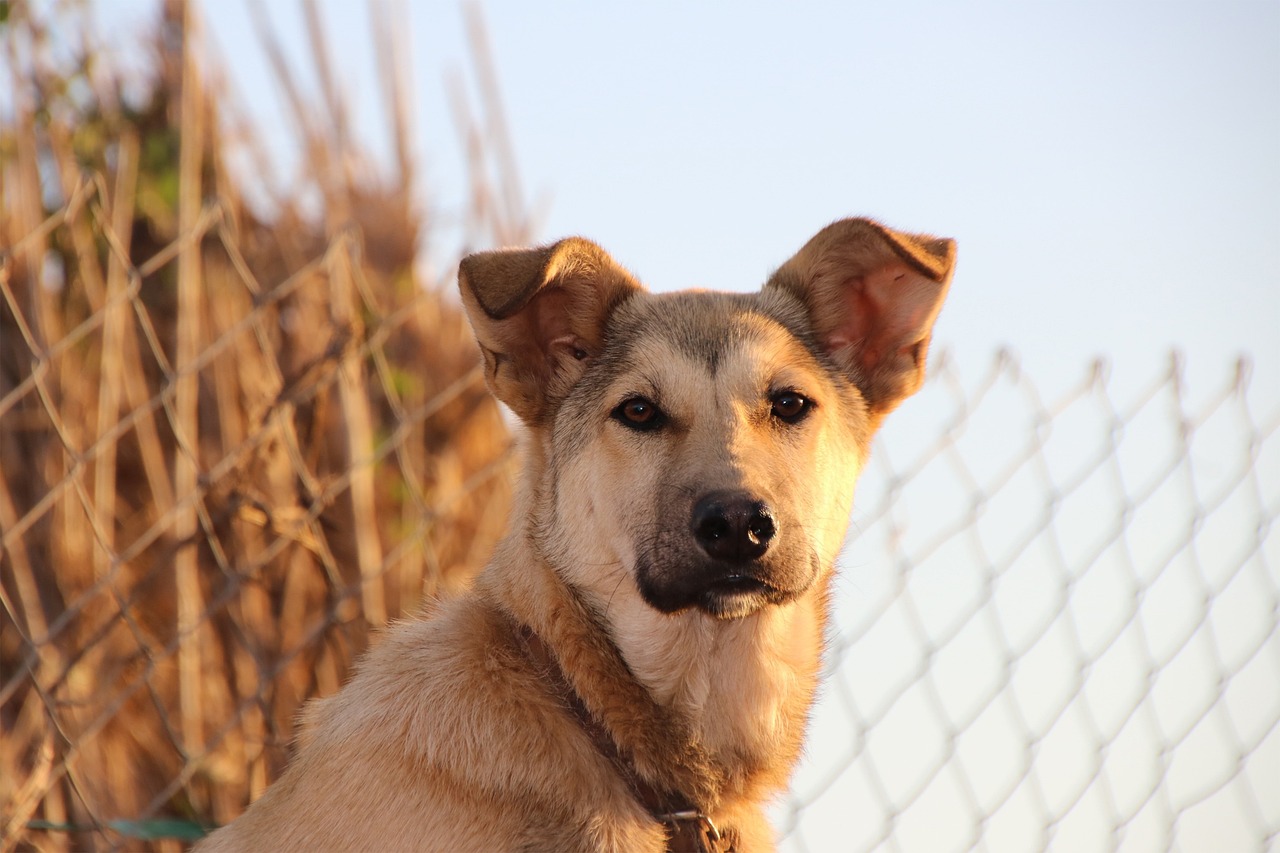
column 703, row 325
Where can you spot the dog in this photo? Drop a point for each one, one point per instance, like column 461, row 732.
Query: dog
column 633, row 670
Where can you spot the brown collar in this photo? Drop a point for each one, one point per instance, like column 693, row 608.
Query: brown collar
column 690, row 830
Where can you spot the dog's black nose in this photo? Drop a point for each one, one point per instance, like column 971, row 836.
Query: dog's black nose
column 733, row 526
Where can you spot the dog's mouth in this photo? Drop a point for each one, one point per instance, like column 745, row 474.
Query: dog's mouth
column 718, row 590
column 735, row 596
column 739, row 584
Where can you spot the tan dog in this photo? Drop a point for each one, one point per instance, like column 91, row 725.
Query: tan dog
column 634, row 669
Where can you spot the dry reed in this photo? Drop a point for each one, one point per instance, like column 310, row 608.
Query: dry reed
column 231, row 443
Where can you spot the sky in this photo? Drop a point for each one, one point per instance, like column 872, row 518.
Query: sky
column 1111, row 170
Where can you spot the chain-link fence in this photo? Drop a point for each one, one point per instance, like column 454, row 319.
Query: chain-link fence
column 1057, row 625
column 230, row 447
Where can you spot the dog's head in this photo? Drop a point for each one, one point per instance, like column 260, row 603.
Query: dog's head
column 703, row 447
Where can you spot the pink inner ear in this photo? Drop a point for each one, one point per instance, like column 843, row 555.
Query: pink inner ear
column 886, row 313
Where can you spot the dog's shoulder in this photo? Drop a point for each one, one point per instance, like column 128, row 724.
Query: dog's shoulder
column 444, row 719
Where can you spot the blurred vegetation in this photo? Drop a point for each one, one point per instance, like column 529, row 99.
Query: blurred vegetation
column 233, row 442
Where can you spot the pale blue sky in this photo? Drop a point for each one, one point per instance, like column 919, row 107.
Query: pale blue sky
column 1111, row 169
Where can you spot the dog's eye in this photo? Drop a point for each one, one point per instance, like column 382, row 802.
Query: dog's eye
column 790, row 406
column 639, row 414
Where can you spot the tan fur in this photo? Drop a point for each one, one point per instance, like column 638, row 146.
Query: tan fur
column 700, row 663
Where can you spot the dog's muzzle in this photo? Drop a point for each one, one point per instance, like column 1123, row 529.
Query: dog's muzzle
column 727, row 561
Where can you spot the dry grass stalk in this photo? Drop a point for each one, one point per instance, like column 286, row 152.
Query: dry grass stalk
column 229, row 446
column 186, row 462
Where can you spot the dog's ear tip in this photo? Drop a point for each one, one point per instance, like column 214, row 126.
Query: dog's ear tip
column 932, row 256
column 470, row 265
column 938, row 256
column 464, row 268
column 576, row 241
column 578, row 254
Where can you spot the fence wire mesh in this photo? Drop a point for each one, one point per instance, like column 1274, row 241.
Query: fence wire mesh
column 1057, row 626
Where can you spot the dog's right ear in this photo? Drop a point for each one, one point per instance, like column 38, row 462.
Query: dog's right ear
column 539, row 317
column 872, row 294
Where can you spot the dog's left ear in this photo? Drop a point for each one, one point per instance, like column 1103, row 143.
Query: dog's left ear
column 539, row 317
column 872, row 294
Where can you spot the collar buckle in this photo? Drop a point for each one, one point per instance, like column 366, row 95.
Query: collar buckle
column 702, row 818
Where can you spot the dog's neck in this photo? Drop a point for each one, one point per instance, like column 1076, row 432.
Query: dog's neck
column 714, row 707
column 739, row 682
